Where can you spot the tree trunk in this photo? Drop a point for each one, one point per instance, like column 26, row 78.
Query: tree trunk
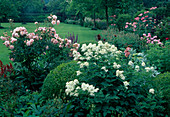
column 106, row 10
column 94, row 16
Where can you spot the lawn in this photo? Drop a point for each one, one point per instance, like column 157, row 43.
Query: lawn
column 84, row 34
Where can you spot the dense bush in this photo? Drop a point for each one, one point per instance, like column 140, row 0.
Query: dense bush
column 163, row 29
column 54, row 84
column 121, row 20
column 112, row 84
column 101, row 24
column 162, row 82
column 159, row 56
column 121, row 39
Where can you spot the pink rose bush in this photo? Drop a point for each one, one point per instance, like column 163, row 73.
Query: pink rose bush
column 38, row 52
column 142, row 23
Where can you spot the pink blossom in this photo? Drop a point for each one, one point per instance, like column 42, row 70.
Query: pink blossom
column 127, row 22
column 149, row 34
column 155, row 37
column 140, row 14
column 60, row 46
column 137, row 18
column 49, row 17
column 36, row 23
column 6, row 43
column 148, row 41
column 160, row 43
column 54, row 17
column 47, row 47
column 12, row 59
column 58, row 22
column 22, row 33
column 144, row 34
column 134, row 26
column 114, row 24
column 114, row 16
column 53, row 22
column 31, row 40
column 11, row 47
column 146, row 25
column 28, row 43
column 3, row 38
column 126, row 26
column 111, row 24
column 56, row 35
column 152, row 42
column 142, row 18
column 134, row 30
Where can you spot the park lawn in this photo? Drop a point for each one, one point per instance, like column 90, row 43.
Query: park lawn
column 84, row 34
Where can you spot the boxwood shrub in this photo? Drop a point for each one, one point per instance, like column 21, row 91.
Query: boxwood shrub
column 54, row 84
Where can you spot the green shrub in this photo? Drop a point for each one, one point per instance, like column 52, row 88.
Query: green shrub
column 102, row 25
column 121, row 39
column 122, row 19
column 54, row 84
column 162, row 82
column 159, row 56
column 163, row 29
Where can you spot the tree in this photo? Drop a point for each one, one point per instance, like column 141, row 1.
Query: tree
column 7, row 10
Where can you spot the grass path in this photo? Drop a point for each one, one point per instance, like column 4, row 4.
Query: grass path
column 84, row 34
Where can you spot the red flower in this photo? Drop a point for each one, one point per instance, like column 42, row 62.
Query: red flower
column 167, row 38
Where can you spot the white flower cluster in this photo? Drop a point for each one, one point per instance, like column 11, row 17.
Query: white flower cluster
column 72, row 88
column 90, row 88
column 116, row 66
column 96, row 51
column 126, row 84
column 104, row 68
column 120, row 74
column 151, row 91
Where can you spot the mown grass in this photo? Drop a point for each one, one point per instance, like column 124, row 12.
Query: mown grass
column 84, row 34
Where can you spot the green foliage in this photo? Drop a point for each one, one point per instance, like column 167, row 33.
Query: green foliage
column 54, row 84
column 122, row 19
column 159, row 56
column 162, row 83
column 33, row 105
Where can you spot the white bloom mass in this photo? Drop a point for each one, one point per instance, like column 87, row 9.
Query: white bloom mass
column 130, row 63
column 143, row 64
column 151, row 91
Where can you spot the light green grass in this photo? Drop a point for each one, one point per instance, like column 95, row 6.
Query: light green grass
column 84, row 34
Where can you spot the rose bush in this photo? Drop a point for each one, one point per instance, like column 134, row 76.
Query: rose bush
column 35, row 54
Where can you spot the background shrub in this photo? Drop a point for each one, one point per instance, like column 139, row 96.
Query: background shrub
column 122, row 19
column 121, row 39
column 159, row 56
column 162, row 83
column 54, row 84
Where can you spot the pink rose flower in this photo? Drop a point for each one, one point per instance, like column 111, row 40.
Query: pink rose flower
column 126, row 26
column 53, row 22
column 11, row 47
column 58, row 22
